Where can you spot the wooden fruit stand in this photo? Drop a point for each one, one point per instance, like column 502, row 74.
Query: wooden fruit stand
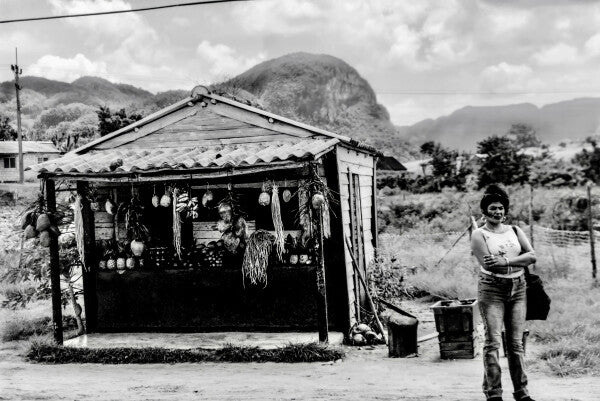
column 214, row 215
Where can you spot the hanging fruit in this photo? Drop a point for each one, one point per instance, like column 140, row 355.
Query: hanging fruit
column 137, row 247
column 155, row 198
column 30, row 232
column 264, row 199
column 43, row 222
column 207, row 198
column 45, row 238
column 286, row 195
column 110, row 206
column 165, row 200
column 318, row 200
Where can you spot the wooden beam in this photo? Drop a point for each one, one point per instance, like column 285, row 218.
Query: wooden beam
column 54, row 268
column 166, row 175
column 89, row 259
column 322, row 319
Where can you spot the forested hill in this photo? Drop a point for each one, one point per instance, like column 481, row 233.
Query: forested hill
column 323, row 91
column 573, row 120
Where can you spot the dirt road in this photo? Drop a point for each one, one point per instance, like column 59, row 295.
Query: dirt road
column 366, row 374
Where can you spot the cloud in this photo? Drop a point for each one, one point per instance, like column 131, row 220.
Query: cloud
column 278, row 17
column 559, row 54
column 118, row 25
column 508, row 77
column 223, row 61
column 181, row 21
column 592, row 46
column 66, row 69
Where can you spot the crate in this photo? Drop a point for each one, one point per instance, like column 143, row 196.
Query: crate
column 457, row 323
column 460, row 345
column 456, row 316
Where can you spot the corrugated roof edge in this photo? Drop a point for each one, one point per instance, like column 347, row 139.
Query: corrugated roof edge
column 198, row 93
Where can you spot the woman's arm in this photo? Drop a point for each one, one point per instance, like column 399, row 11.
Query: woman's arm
column 492, row 263
column 527, row 256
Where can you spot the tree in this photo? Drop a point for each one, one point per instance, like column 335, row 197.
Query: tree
column 523, row 136
column 590, row 160
column 503, row 163
column 447, row 169
column 110, row 122
column 7, row 132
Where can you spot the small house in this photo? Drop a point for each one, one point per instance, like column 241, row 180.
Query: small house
column 34, row 152
column 389, row 163
column 213, row 215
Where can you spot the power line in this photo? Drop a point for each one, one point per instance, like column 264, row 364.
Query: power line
column 195, row 3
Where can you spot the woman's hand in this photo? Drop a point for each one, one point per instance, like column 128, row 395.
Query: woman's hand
column 495, row 261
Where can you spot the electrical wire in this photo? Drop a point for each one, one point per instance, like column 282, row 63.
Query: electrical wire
column 195, row 3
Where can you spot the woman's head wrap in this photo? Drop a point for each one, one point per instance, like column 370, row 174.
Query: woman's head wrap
column 494, row 193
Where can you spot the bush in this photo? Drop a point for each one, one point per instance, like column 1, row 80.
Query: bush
column 40, row 351
column 19, row 328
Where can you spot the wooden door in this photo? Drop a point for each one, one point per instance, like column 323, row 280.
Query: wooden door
column 357, row 232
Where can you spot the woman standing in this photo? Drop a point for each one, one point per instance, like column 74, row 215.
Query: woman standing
column 503, row 252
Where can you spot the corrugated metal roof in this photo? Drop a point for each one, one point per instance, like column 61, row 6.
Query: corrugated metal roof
column 222, row 156
column 12, row 147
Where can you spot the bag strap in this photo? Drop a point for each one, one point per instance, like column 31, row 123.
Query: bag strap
column 526, row 269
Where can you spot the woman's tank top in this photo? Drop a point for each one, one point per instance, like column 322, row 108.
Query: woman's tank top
column 503, row 244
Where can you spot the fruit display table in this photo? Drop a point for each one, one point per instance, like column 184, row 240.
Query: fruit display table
column 206, row 300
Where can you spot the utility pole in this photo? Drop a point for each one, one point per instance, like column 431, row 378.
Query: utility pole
column 15, row 68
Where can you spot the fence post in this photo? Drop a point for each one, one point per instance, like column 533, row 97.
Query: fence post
column 591, row 228
column 531, row 219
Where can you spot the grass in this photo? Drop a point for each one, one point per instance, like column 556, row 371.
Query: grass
column 20, row 326
column 43, row 352
column 569, row 340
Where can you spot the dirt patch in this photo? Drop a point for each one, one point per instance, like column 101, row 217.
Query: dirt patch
column 366, row 373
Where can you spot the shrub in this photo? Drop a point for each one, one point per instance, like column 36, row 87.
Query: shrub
column 19, row 328
column 41, row 351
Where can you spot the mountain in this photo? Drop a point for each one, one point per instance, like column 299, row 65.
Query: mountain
column 553, row 123
column 323, row 91
column 319, row 90
column 91, row 91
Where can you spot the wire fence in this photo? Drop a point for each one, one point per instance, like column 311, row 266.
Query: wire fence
column 559, row 251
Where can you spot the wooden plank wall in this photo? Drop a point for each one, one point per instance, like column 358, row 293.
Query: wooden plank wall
column 104, row 222
column 362, row 164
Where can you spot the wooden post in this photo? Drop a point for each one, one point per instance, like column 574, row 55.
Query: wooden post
column 472, row 225
column 374, row 225
column 54, row 268
column 89, row 259
column 591, row 228
column 530, row 217
column 18, row 71
column 322, row 319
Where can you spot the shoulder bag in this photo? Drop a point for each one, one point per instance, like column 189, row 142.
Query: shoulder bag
column 538, row 301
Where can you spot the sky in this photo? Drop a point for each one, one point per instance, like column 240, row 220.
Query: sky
column 424, row 59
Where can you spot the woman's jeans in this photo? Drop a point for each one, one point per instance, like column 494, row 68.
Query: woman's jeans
column 503, row 300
